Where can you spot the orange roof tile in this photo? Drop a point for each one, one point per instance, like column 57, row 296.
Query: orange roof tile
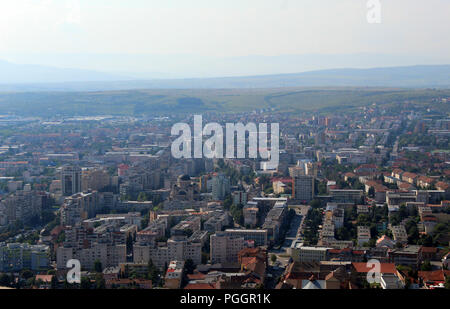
column 386, row 268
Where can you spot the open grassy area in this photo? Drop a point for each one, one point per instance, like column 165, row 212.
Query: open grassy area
column 149, row 102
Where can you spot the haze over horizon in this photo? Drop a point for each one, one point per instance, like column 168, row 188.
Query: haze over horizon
column 188, row 39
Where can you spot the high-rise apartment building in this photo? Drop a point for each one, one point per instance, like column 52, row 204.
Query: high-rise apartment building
column 304, row 188
column 220, row 187
column 70, row 180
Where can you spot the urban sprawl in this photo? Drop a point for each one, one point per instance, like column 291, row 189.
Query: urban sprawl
column 372, row 184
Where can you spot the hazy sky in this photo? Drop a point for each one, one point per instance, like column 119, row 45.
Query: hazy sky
column 42, row 31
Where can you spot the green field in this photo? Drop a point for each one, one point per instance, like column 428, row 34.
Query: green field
column 152, row 102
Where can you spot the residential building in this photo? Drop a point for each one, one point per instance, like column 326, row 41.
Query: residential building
column 220, row 187
column 363, row 235
column 174, row 275
column 410, row 255
column 225, row 248
column 399, row 233
column 260, row 237
column 70, row 180
column 346, row 196
column 15, row 257
column 303, row 188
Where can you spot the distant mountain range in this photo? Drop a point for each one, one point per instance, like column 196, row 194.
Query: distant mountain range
column 11, row 73
column 15, row 77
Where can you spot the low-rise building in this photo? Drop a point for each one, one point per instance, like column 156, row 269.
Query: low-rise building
column 15, row 257
column 409, row 255
column 301, row 253
column 363, row 235
column 399, row 233
column 250, row 212
column 174, row 275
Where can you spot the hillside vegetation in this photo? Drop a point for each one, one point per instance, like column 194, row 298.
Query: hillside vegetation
column 152, row 102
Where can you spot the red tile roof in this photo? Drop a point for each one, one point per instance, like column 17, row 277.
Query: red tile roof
column 200, row 286
column 44, row 278
column 429, row 249
column 434, row 276
column 442, row 185
column 246, row 261
column 197, row 276
column 426, row 179
column 409, row 175
column 386, row 268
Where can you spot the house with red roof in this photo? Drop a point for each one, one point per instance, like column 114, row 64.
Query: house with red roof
column 385, row 241
column 348, row 176
column 409, row 177
column 196, row 276
column 129, row 283
column 433, row 279
column 44, row 281
column 365, row 169
column 282, row 185
column 444, row 187
column 405, row 186
column 385, row 268
column 200, row 286
column 424, row 181
column 361, row 271
column 430, row 253
column 370, row 184
column 397, row 173
column 346, row 254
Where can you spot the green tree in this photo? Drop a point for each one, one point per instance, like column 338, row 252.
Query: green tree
column 30, row 282
column 227, row 202
column 98, row 266
column 67, row 285
column 61, row 237
column 189, row 266
column 100, row 282
column 273, row 258
column 237, row 213
column 142, row 197
column 153, row 272
column 85, row 283
column 5, row 280
column 372, row 192
column 27, row 274
column 427, row 241
column 54, row 282
column 426, row 266
column 129, row 243
column 315, row 203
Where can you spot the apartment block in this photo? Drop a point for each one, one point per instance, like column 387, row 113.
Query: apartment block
column 225, row 248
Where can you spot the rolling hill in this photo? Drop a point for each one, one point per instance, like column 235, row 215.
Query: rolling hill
column 37, row 78
column 168, row 101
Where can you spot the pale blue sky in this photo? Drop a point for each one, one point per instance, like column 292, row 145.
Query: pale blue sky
column 78, row 33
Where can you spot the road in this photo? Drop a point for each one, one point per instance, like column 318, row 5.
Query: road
column 291, row 234
column 294, row 233
column 283, row 259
